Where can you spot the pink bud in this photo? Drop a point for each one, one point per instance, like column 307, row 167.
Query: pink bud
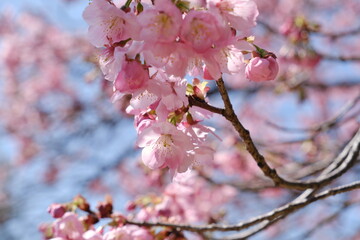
column 262, row 69
column 105, row 208
column 56, row 210
column 80, row 202
column 131, row 206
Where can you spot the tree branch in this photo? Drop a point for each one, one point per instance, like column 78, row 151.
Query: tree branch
column 276, row 213
column 200, row 103
column 230, row 115
column 338, row 58
column 251, row 232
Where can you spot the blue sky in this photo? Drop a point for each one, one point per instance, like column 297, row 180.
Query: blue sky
column 68, row 15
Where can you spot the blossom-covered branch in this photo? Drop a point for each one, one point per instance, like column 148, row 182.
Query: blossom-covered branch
column 276, row 213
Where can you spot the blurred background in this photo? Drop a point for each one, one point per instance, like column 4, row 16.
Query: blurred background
column 58, row 129
column 60, row 135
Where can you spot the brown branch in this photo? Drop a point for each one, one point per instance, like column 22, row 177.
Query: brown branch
column 251, row 232
column 201, row 103
column 297, row 171
column 325, row 86
column 265, row 224
column 230, row 115
column 276, row 213
column 338, row 58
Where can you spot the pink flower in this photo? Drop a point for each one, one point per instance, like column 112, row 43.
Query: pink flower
column 69, row 227
column 165, row 146
column 111, row 59
column 92, row 235
column 172, row 97
column 262, row 69
column 143, row 121
column 128, row 233
column 228, row 60
column 109, row 24
column 163, row 93
column 241, row 14
column 204, row 31
column 56, row 210
column 188, row 199
column 173, row 56
column 133, row 76
column 161, row 24
column 178, row 61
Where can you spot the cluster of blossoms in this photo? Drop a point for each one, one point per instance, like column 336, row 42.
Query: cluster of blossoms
column 188, row 199
column 70, row 225
column 147, row 50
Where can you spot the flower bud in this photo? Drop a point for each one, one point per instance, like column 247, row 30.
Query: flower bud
column 105, row 208
column 262, row 69
column 131, row 206
column 89, row 220
column 80, row 202
column 56, row 210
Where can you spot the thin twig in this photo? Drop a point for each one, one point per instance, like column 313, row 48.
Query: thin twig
column 338, row 58
column 326, row 125
column 200, row 103
column 319, row 33
column 251, row 232
column 327, row 220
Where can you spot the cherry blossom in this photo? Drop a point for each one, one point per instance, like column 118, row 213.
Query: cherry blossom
column 262, row 69
column 128, row 233
column 160, row 24
column 92, row 235
column 241, row 14
column 109, row 24
column 132, row 77
column 165, row 146
column 68, row 227
column 203, row 30
column 187, row 199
